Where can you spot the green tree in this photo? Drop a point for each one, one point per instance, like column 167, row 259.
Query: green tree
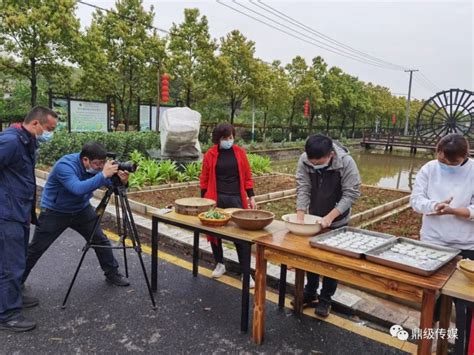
column 192, row 58
column 272, row 95
column 236, row 75
column 120, row 54
column 36, row 38
column 303, row 85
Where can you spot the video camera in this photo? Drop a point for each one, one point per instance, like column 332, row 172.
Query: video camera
column 124, row 166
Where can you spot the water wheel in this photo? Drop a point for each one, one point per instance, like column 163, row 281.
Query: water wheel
column 449, row 111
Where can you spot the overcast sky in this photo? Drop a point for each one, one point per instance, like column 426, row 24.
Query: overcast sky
column 433, row 36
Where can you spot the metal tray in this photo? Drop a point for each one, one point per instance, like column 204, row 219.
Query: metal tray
column 314, row 241
column 407, row 262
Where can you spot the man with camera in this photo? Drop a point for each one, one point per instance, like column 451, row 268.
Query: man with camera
column 18, row 146
column 65, row 204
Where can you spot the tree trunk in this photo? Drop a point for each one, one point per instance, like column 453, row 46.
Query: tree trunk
column 188, row 97
column 311, row 121
column 328, row 117
column 122, row 107
column 130, row 95
column 265, row 125
column 290, row 121
column 353, row 125
column 233, row 108
column 343, row 123
column 158, row 81
column 33, row 80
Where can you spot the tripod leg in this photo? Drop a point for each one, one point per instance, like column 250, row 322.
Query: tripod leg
column 122, row 228
column 100, row 213
column 148, row 285
column 86, row 248
column 130, row 223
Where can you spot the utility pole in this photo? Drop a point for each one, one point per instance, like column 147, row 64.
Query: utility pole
column 253, row 119
column 407, row 117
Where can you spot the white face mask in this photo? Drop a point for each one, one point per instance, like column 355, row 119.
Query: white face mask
column 226, row 144
column 320, row 166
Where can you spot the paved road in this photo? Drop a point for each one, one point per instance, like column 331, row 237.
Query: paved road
column 195, row 315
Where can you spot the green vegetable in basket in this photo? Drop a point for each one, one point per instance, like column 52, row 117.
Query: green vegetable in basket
column 213, row 214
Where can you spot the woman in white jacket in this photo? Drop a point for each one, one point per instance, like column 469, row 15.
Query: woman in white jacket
column 444, row 194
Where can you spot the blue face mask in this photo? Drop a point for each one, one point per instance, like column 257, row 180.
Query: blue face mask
column 451, row 169
column 226, row 144
column 92, row 171
column 45, row 137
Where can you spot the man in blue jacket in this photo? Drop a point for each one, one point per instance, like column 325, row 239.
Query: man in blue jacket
column 17, row 195
column 65, row 204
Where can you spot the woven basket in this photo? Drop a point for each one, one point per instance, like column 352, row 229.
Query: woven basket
column 192, row 206
column 211, row 222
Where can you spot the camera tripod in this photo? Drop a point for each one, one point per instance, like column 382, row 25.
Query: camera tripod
column 126, row 229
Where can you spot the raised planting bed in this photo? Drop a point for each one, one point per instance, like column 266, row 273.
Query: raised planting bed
column 371, row 197
column 406, row 223
column 164, row 197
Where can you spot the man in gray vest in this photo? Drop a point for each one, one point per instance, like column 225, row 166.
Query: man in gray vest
column 328, row 183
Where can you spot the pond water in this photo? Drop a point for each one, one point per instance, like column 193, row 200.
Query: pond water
column 395, row 169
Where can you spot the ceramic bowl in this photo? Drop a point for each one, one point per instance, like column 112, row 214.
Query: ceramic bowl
column 310, row 226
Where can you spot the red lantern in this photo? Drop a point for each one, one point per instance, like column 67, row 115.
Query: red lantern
column 394, row 119
column 165, row 88
column 306, row 108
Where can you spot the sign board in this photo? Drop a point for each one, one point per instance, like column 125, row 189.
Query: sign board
column 148, row 116
column 144, row 117
column 88, row 116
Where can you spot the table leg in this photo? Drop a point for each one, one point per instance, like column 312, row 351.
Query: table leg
column 444, row 320
column 460, row 346
column 299, row 286
column 282, row 286
column 244, row 320
column 154, row 254
column 259, row 298
column 196, row 253
column 426, row 320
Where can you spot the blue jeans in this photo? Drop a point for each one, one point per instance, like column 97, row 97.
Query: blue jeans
column 13, row 240
column 52, row 224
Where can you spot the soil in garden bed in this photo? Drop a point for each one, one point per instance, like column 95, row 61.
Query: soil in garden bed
column 404, row 224
column 162, row 198
column 370, row 197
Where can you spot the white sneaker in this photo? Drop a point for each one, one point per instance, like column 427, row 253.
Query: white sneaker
column 251, row 282
column 218, row 271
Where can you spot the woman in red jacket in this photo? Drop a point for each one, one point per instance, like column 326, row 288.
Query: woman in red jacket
column 227, row 179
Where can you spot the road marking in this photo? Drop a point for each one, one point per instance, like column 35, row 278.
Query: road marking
column 384, row 338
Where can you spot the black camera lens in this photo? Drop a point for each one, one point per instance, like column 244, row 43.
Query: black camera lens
column 128, row 166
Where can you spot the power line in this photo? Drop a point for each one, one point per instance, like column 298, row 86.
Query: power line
column 119, row 15
column 315, row 40
column 424, row 85
column 320, row 34
column 432, row 84
column 297, row 37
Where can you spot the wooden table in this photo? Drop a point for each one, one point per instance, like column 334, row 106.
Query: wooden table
column 229, row 232
column 288, row 249
column 461, row 289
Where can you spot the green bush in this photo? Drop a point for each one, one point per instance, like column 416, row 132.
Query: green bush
column 259, row 164
column 193, row 170
column 122, row 143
